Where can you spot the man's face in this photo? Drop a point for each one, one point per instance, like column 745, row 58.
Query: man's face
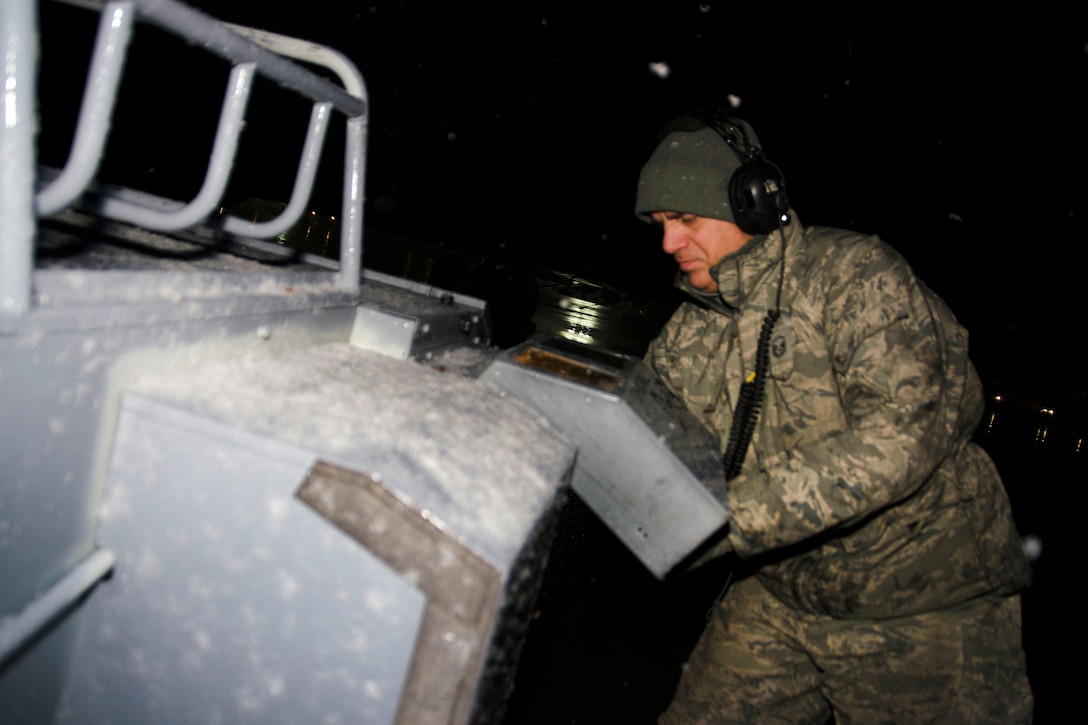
column 697, row 243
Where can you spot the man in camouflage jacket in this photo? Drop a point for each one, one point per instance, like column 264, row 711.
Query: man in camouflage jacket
column 884, row 565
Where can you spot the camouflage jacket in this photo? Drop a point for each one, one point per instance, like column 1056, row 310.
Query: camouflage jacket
column 861, row 494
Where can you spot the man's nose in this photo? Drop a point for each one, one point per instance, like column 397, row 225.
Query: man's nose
column 672, row 240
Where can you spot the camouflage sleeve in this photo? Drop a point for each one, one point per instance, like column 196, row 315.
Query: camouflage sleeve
column 885, row 340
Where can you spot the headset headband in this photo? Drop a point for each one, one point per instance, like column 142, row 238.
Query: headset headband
column 757, row 191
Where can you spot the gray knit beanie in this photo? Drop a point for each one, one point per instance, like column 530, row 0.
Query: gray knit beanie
column 689, row 173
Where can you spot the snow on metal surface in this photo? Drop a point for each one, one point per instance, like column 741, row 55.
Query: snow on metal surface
column 231, row 601
column 478, row 464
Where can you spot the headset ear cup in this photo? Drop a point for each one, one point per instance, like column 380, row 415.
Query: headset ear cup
column 757, row 193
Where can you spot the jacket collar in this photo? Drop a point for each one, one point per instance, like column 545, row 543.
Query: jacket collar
column 740, row 274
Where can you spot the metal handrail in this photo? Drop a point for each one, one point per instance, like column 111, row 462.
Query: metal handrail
column 92, row 128
column 19, row 49
column 19, row 629
column 252, row 52
column 224, row 148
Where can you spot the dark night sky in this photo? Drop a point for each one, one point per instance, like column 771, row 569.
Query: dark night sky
column 521, row 127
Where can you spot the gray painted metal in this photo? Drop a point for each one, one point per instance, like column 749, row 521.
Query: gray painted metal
column 409, row 321
column 18, row 96
column 179, row 412
column 17, row 631
column 107, row 65
column 231, row 600
column 646, row 466
column 59, row 367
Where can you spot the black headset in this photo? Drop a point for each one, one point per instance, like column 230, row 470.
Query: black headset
column 757, row 191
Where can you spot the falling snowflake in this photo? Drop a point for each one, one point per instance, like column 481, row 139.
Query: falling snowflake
column 1033, row 547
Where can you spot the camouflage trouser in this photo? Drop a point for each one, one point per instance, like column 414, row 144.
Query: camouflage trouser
column 762, row 662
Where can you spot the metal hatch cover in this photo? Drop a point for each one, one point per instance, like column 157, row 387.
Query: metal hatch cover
column 646, row 465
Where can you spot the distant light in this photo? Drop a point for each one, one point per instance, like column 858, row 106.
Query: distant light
column 1047, row 411
column 579, row 333
column 661, row 70
column 997, row 398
